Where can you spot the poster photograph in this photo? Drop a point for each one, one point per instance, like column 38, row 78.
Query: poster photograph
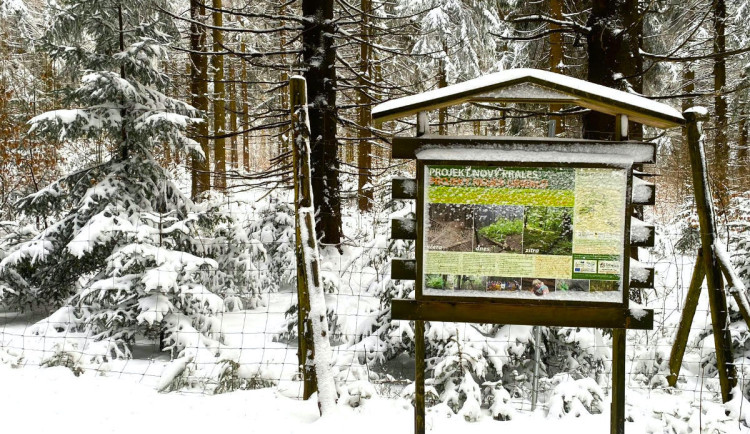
column 524, row 232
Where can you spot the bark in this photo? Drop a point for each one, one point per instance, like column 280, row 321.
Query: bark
column 245, row 114
column 364, row 161
column 200, row 166
column 614, row 59
column 319, row 58
column 233, row 116
column 217, row 64
column 721, row 147
column 556, row 54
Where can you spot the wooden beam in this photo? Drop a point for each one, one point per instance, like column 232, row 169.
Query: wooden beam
column 403, row 188
column 522, row 314
column 419, row 373
column 686, row 320
column 641, row 152
column 644, row 192
column 641, row 276
column 404, row 229
column 716, row 297
column 638, row 229
column 404, row 269
column 617, row 415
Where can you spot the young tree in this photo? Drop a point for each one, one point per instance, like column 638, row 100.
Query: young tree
column 121, row 252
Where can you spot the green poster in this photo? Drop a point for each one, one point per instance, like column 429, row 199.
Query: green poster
column 524, row 231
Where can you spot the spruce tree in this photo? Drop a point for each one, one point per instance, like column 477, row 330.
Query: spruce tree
column 122, row 252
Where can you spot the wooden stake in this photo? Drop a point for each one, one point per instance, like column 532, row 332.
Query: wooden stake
column 298, row 103
column 686, row 320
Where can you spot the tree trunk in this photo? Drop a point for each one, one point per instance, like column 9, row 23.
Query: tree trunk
column 319, row 59
column 442, row 112
column 201, row 168
column 233, row 116
column 614, row 60
column 556, row 54
column 245, row 114
column 364, row 161
column 721, row 148
column 217, row 64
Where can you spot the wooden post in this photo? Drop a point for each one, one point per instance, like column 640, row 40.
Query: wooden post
column 617, row 419
column 686, row 320
column 298, row 103
column 619, row 341
column 419, row 404
column 716, row 297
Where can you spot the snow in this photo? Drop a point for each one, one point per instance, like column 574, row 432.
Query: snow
column 699, row 110
column 143, row 409
column 641, row 190
column 498, row 79
column 639, row 231
column 638, row 271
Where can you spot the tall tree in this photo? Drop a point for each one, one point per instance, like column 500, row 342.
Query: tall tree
column 721, row 147
column 201, row 164
column 219, row 99
column 614, row 59
column 319, row 69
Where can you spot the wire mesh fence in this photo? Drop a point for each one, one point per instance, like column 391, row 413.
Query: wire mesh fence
column 250, row 340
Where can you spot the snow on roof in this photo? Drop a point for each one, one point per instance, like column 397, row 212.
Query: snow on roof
column 586, row 94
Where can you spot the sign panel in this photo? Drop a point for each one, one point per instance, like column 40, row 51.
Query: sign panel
column 524, row 232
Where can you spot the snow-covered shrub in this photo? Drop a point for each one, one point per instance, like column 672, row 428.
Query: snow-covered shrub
column 575, row 398
column 273, row 225
column 242, row 275
column 499, row 401
column 651, row 367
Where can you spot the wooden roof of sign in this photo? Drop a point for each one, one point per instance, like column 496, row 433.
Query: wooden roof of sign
column 535, row 86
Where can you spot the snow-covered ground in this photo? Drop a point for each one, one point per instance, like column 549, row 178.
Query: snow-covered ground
column 54, row 400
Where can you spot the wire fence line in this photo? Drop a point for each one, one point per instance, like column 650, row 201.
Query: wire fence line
column 253, row 340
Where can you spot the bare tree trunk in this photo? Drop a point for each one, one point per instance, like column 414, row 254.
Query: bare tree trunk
column 233, row 116
column 614, row 59
column 201, row 176
column 364, row 162
column 442, row 112
column 721, row 147
column 319, row 61
column 217, row 64
column 556, row 53
column 245, row 114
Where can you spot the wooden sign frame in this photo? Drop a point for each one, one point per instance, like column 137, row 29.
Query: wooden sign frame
column 566, row 313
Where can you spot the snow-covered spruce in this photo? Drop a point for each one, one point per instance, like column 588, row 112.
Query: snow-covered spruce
column 122, row 253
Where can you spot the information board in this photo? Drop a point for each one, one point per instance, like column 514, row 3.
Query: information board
column 524, row 232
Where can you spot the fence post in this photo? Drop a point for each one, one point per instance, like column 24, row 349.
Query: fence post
column 716, row 297
column 316, row 338
column 298, row 105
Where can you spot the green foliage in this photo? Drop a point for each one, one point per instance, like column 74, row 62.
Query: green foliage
column 501, row 228
column 434, row 281
column 548, row 230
